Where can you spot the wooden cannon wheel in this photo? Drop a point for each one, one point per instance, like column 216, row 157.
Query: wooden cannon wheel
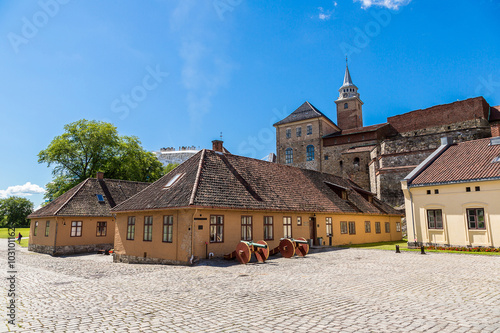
column 302, row 249
column 243, row 253
column 260, row 253
column 287, row 248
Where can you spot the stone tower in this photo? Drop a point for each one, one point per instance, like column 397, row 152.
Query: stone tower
column 349, row 105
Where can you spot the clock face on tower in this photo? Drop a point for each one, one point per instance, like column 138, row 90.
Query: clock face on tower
column 345, row 95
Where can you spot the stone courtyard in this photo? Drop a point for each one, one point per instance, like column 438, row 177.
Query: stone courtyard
column 338, row 290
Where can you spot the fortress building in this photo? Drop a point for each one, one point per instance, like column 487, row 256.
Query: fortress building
column 376, row 157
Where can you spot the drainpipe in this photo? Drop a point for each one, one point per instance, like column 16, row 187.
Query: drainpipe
column 192, row 237
column 412, row 216
column 55, row 239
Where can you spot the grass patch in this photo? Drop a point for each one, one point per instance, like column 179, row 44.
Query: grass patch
column 403, row 246
column 24, row 242
column 24, row 231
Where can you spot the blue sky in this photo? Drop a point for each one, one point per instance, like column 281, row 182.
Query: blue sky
column 177, row 73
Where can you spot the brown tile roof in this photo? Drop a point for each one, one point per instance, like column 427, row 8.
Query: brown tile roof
column 303, row 112
column 371, row 128
column 466, row 161
column 495, row 113
column 439, row 115
column 211, row 179
column 82, row 200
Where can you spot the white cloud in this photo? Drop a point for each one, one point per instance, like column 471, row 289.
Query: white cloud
column 325, row 15
column 391, row 4
column 21, row 190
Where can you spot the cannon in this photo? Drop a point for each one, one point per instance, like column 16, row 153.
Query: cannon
column 245, row 249
column 289, row 246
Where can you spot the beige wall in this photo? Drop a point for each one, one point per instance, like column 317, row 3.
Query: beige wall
column 89, row 231
column 184, row 223
column 453, row 200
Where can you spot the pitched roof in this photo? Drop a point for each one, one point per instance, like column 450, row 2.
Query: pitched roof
column 211, row 179
column 304, row 112
column 347, row 78
column 466, row 161
column 365, row 129
column 82, row 200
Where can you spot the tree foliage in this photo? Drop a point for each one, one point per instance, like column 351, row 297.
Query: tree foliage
column 14, row 211
column 87, row 147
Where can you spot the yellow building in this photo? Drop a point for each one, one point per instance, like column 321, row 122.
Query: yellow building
column 213, row 200
column 80, row 220
column 453, row 197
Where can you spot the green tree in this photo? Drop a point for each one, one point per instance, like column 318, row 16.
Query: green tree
column 14, row 211
column 87, row 147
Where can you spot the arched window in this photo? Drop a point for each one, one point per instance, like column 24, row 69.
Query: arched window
column 289, row 156
column 310, row 153
column 346, row 105
column 341, row 167
column 356, row 162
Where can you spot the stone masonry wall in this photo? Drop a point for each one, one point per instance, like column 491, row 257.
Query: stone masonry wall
column 70, row 249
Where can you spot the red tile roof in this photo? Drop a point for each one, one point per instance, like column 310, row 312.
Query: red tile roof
column 218, row 180
column 81, row 200
column 466, row 161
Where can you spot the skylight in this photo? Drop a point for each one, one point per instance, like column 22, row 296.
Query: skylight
column 496, row 160
column 100, row 198
column 173, row 180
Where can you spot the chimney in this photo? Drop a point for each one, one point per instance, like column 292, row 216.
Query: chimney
column 100, row 175
column 495, row 130
column 217, row 145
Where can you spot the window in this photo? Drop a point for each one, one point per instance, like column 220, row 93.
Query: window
column 428, row 191
column 387, row 227
column 467, row 189
column 173, row 180
column 216, row 229
column 310, row 153
column 168, row 228
column 288, row 133
column 343, row 227
column 287, row 227
column 148, row 229
column 356, row 162
column 289, row 156
column 298, row 131
column 398, row 226
column 131, row 228
column 299, row 220
column 100, row 198
column 478, row 188
column 76, row 229
column 268, row 228
column 329, row 230
column 368, row 227
column 436, row 191
column 352, row 228
column 475, row 218
column 326, row 157
column 434, row 219
column 346, row 105
column 309, row 129
column 35, row 228
column 101, row 229
column 246, row 228
column 377, row 228
column 47, row 226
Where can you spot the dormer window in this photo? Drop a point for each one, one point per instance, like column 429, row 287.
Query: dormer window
column 173, row 180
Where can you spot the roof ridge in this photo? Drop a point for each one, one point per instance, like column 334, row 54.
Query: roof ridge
column 124, row 180
column 197, row 180
column 72, row 196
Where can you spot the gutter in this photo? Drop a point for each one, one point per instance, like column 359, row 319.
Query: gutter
column 456, row 182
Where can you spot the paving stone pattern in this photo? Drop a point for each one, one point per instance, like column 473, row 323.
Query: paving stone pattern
column 348, row 290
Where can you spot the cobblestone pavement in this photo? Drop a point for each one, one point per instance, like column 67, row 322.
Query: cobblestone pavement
column 349, row 290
